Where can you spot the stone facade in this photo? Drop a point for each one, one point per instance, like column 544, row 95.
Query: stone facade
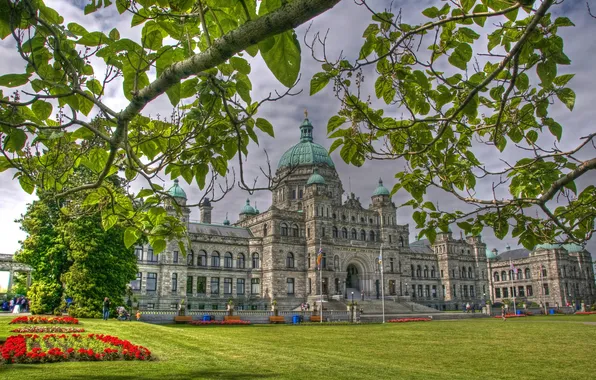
column 273, row 254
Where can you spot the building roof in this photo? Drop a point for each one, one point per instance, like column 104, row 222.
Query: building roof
column 567, row 247
column 514, row 254
column 306, row 152
column 176, row 191
column 421, row 246
column 316, row 178
column 219, row 230
column 381, row 190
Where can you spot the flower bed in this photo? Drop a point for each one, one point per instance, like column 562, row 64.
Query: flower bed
column 48, row 329
column 36, row 320
column 510, row 316
column 585, row 312
column 403, row 320
column 202, row 323
column 32, row 348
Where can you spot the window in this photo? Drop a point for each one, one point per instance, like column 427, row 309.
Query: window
column 498, row 293
column 520, row 274
column 139, row 253
column 215, row 259
column 308, row 260
column 175, row 257
column 151, row 282
column 371, row 236
column 418, row 271
column 520, row 291
column 362, row 235
column 344, row 233
column 294, row 194
column 465, row 291
column 295, row 231
column 324, row 261
column 442, row 274
column 300, row 193
column 150, row 306
column 189, row 284
column 240, row 286
column 335, row 234
column 434, row 291
column 151, row 257
column 528, row 274
column 503, row 276
column 353, row 218
column 309, row 286
column 284, row 229
column 496, row 275
column 290, row 285
column 412, row 270
column 389, row 238
column 505, row 292
column 290, row 260
column 354, row 234
column 265, row 229
column 227, row 286
column 425, row 271
column 470, row 272
column 228, row 260
column 544, row 273
column 308, row 232
column 336, row 262
column 546, row 292
column 432, row 272
column 472, row 293
column 391, row 264
column 214, row 285
column 240, row 262
column 255, row 260
column 427, row 291
column 401, row 241
column 323, row 231
column 334, row 216
column 136, row 284
column 255, row 286
column 343, row 217
column 202, row 259
column 392, row 288
column 174, row 282
column 201, row 285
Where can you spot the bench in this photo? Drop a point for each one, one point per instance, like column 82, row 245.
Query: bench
column 183, row 318
column 276, row 319
column 232, row 318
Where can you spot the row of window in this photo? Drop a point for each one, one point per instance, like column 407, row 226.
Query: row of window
column 228, row 260
column 517, row 274
column 519, row 291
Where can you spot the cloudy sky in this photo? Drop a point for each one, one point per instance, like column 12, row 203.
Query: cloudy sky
column 345, row 23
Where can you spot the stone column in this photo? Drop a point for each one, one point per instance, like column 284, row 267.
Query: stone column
column 10, row 279
column 28, row 280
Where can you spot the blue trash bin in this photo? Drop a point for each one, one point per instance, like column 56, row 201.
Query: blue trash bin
column 296, row 319
column 551, row 311
column 518, row 312
column 206, row 318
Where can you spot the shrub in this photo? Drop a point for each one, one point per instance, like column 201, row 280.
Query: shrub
column 44, row 297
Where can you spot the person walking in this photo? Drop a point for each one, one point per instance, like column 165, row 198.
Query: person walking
column 106, row 309
column 503, row 313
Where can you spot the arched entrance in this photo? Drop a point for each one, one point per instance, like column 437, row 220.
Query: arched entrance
column 353, row 277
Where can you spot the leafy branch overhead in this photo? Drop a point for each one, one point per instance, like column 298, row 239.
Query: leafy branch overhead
column 449, row 103
column 57, row 119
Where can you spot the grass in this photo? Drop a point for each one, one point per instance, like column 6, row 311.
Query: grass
column 557, row 347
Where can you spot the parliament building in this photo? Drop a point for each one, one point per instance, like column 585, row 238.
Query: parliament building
column 271, row 255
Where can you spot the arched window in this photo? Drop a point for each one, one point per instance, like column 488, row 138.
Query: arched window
column 255, row 261
column 528, row 274
column 354, row 234
column 362, row 235
column 371, row 236
column 412, row 270
column 284, row 229
column 295, row 231
column 335, row 234
column 511, row 275
column 463, row 272
column 191, row 258
column 324, row 261
column 503, row 276
column 361, row 220
column 496, row 275
column 353, row 218
column 290, row 260
column 401, row 241
column 418, row 271
column 336, row 263
column 470, row 272
column 228, row 260
column 215, row 259
column 334, row 216
column 241, row 261
column 426, row 271
column 344, row 233
column 343, row 217
column 432, row 272
column 520, row 274
column 265, row 229
column 202, row 259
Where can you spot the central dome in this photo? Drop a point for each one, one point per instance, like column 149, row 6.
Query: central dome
column 305, row 152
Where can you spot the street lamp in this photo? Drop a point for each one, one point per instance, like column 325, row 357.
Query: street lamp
column 406, row 289
column 352, row 298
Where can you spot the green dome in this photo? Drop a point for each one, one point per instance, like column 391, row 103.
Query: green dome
column 305, row 152
column 176, row 191
column 247, row 209
column 226, row 222
column 381, row 190
column 316, row 178
column 490, row 254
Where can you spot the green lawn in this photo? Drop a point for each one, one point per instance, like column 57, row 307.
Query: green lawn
column 557, row 347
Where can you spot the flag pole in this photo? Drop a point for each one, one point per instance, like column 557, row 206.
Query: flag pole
column 321, row 275
column 382, row 284
column 512, row 286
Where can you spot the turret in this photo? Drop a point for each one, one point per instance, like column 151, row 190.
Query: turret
column 205, row 208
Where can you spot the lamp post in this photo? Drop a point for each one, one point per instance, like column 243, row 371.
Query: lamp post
column 353, row 307
column 406, row 289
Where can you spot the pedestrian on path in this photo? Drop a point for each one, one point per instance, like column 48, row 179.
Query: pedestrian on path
column 106, row 309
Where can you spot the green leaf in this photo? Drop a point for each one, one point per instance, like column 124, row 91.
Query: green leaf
column 26, row 184
column 554, row 128
column 563, row 21
column 15, row 140
column 93, row 39
column 461, row 56
column 14, row 80
column 42, row 109
column 265, row 126
column 467, row 5
column 563, row 79
column 93, row 198
column 240, row 64
column 281, row 53
column 158, row 244
column 318, row 82
column 109, row 221
column 480, row 8
column 131, row 235
column 114, row 34
column 76, row 29
column 431, row 12
column 173, row 94
column 335, row 122
column 153, row 40
column 567, row 96
column 94, row 86
column 547, row 71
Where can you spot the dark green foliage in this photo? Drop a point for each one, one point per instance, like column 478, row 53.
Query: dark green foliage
column 44, row 296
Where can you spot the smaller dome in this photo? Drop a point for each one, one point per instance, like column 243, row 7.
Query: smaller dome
column 490, row 254
column 315, row 178
column 176, row 191
column 247, row 209
column 226, row 222
column 381, row 190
